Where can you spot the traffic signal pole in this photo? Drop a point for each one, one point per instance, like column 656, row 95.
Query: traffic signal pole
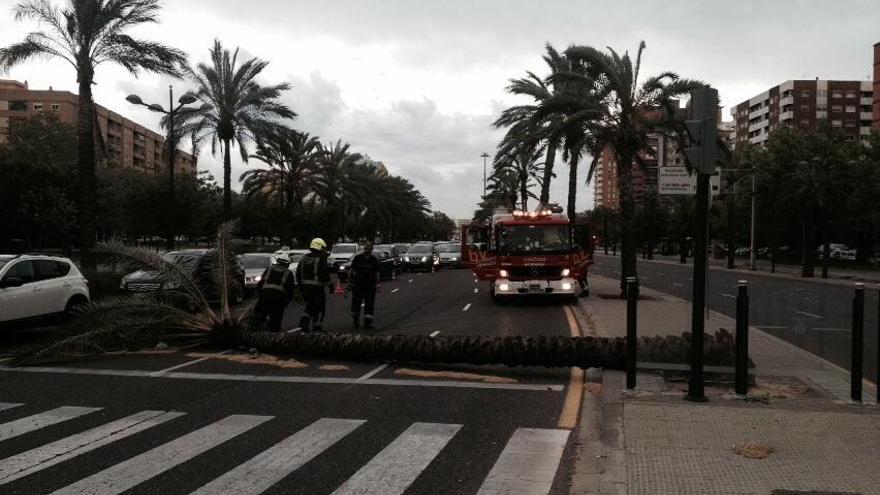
column 701, row 155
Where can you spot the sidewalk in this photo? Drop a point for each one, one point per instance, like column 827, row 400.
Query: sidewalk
column 650, row 441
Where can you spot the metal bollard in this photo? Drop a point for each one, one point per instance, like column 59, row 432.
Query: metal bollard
column 858, row 326
column 877, row 382
column 632, row 295
column 742, row 338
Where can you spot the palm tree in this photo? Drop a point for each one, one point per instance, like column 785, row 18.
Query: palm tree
column 292, row 159
column 335, row 164
column 616, row 111
column 523, row 126
column 86, row 34
column 523, row 163
column 241, row 110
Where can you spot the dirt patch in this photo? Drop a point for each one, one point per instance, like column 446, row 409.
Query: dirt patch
column 753, row 450
column 453, row 375
column 333, row 367
column 594, row 388
column 264, row 359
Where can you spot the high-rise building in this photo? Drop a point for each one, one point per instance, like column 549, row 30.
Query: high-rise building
column 126, row 143
column 847, row 105
column 876, row 85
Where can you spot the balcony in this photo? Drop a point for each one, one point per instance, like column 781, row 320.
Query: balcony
column 783, row 116
column 866, row 116
column 866, row 101
column 759, row 112
column 788, row 100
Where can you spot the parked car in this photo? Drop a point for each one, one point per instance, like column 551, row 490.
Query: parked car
column 38, row 286
column 450, row 255
column 340, row 254
column 294, row 255
column 255, row 264
column 394, row 253
column 421, row 256
column 387, row 266
column 200, row 263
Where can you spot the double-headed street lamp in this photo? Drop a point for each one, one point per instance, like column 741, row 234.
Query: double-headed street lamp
column 484, row 156
column 187, row 99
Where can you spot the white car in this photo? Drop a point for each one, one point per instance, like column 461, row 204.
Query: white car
column 294, row 255
column 33, row 286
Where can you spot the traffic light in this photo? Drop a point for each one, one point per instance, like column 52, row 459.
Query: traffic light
column 703, row 130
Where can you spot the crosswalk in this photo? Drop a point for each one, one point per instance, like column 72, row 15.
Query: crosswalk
column 527, row 464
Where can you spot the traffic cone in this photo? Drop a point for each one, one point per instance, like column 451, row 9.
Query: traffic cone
column 339, row 289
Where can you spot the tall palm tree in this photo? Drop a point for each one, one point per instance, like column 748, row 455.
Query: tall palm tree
column 86, row 34
column 292, row 159
column 629, row 112
column 335, row 164
column 523, row 126
column 241, row 110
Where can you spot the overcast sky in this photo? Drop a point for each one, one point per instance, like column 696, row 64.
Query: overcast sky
column 416, row 84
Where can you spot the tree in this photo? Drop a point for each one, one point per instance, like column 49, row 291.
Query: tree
column 241, row 112
column 616, row 111
column 523, row 164
column 525, row 128
column 86, row 34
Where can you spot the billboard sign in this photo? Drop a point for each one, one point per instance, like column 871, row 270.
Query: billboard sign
column 677, row 180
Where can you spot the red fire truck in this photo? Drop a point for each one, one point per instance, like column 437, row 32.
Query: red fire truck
column 522, row 253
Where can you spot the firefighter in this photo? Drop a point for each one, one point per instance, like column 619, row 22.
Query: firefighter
column 364, row 280
column 275, row 291
column 312, row 276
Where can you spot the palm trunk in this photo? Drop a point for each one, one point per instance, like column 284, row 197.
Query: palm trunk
column 627, row 216
column 548, row 170
column 808, row 246
column 730, row 234
column 571, row 210
column 86, row 169
column 227, row 182
column 826, row 245
column 524, row 191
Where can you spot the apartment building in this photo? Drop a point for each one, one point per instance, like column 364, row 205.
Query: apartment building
column 847, row 105
column 126, row 143
column 664, row 152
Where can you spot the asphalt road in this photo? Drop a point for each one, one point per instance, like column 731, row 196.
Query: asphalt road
column 177, row 423
column 814, row 315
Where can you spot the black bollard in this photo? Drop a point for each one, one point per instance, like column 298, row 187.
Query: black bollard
column 632, row 295
column 878, row 350
column 742, row 338
column 858, row 326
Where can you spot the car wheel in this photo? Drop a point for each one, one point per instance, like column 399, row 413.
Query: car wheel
column 76, row 303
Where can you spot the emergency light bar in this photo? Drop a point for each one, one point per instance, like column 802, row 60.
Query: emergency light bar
column 532, row 214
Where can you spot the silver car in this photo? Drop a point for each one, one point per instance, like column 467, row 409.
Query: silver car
column 254, row 266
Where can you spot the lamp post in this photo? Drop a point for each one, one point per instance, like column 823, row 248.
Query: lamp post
column 484, row 156
column 187, row 99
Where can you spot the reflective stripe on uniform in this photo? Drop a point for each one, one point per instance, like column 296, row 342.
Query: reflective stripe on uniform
column 279, row 285
column 314, row 281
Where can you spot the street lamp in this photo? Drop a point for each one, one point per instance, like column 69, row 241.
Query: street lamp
column 187, row 99
column 484, row 156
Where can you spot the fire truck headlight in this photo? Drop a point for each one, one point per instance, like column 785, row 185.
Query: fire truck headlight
column 566, row 272
column 566, row 286
column 503, row 274
column 504, row 287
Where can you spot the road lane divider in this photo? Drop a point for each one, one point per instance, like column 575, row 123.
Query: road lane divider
column 466, row 307
column 9, row 405
column 375, row 371
column 728, row 295
column 188, row 363
column 574, row 395
column 476, row 291
column 395, row 290
column 434, row 333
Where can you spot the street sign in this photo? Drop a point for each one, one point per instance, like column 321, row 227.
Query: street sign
column 677, row 181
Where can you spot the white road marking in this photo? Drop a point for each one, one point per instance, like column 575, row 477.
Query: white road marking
column 272, row 465
column 188, row 363
column 476, row 291
column 409, row 281
column 770, row 327
column 809, row 314
column 294, row 330
column 395, row 290
column 34, row 460
column 182, row 375
column 434, row 333
column 528, row 463
column 37, row 421
column 128, row 474
column 8, row 405
column 832, row 329
column 400, row 463
column 373, row 372
column 728, row 295
column 466, row 307
column 677, row 285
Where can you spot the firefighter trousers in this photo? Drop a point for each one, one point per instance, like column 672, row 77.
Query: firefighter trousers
column 365, row 295
column 316, row 305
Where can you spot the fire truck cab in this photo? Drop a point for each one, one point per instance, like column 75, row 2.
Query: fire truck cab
column 529, row 253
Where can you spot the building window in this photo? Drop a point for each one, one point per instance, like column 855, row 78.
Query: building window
column 850, row 109
column 18, row 106
column 836, row 108
column 836, row 123
column 805, row 94
column 55, row 107
column 837, row 94
column 38, row 106
column 851, row 94
column 851, row 123
column 805, row 108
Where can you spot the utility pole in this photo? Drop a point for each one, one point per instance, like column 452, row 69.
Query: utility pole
column 701, row 154
column 484, row 156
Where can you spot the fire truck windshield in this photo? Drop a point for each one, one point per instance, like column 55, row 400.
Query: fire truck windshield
column 534, row 239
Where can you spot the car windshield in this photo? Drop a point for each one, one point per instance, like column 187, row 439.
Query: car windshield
column 450, row 248
column 5, row 260
column 344, row 249
column 381, row 254
column 420, row 249
column 252, row 261
column 528, row 239
column 183, row 259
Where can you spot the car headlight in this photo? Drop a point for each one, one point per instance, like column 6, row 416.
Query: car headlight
column 258, row 278
column 342, row 268
column 424, row 258
column 453, row 259
column 406, row 259
column 503, row 273
column 566, row 272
